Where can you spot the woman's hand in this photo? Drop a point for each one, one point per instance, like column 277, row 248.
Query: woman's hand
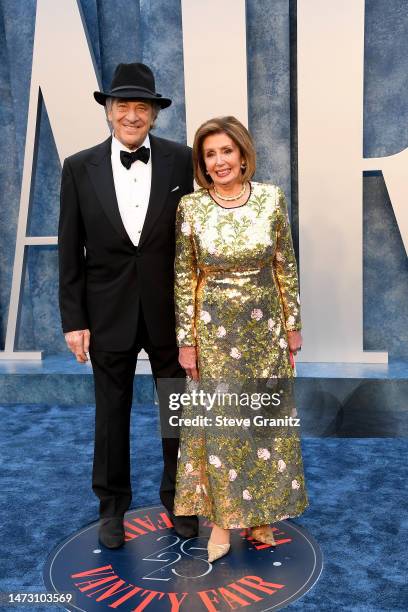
column 295, row 341
column 188, row 361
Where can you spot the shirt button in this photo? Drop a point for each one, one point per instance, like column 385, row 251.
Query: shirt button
column 135, row 180
column 139, row 231
column 137, row 206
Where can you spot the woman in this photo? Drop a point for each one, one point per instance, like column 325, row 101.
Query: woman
column 237, row 313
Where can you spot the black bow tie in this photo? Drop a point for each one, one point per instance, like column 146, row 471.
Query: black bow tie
column 127, row 159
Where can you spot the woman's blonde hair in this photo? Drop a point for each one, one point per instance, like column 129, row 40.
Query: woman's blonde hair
column 237, row 132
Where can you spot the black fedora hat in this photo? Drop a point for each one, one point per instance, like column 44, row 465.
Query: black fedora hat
column 132, row 81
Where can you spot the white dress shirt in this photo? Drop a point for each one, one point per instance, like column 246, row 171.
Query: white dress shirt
column 132, row 189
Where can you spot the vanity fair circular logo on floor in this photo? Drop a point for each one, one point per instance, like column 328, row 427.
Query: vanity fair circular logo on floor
column 156, row 570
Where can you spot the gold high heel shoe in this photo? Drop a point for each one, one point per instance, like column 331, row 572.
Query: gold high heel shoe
column 216, row 551
column 264, row 534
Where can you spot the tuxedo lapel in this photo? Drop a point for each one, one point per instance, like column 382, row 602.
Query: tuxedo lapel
column 162, row 164
column 99, row 169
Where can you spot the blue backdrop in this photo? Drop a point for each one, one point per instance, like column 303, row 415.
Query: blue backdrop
column 150, row 31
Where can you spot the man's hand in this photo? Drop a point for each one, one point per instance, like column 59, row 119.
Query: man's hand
column 295, row 341
column 188, row 361
column 78, row 343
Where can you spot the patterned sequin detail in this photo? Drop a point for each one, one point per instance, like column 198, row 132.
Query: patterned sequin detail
column 236, row 295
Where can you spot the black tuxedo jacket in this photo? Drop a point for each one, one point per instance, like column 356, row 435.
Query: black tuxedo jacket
column 104, row 278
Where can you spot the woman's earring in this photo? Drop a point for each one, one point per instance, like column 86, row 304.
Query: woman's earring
column 243, row 166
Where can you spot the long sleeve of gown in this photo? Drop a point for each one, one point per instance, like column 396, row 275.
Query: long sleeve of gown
column 286, row 268
column 185, row 269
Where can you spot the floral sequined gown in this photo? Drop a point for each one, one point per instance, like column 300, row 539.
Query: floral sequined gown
column 236, row 296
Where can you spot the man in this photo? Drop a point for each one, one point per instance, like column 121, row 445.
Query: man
column 116, row 257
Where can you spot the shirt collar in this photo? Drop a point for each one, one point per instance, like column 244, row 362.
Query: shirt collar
column 117, row 146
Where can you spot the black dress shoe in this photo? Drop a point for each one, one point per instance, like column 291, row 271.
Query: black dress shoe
column 111, row 532
column 185, row 526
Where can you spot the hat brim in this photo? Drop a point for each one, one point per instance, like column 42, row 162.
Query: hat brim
column 132, row 93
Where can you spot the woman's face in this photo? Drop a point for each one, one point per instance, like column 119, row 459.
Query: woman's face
column 223, row 160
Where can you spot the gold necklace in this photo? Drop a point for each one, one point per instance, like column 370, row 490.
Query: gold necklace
column 230, row 198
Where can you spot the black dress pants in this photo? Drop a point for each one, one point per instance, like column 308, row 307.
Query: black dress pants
column 113, row 377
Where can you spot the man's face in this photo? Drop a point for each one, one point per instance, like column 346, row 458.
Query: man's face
column 131, row 121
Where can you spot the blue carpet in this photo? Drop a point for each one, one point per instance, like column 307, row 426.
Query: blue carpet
column 357, row 492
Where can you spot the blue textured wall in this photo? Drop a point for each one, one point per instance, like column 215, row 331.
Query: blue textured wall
column 150, row 31
column 385, row 133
